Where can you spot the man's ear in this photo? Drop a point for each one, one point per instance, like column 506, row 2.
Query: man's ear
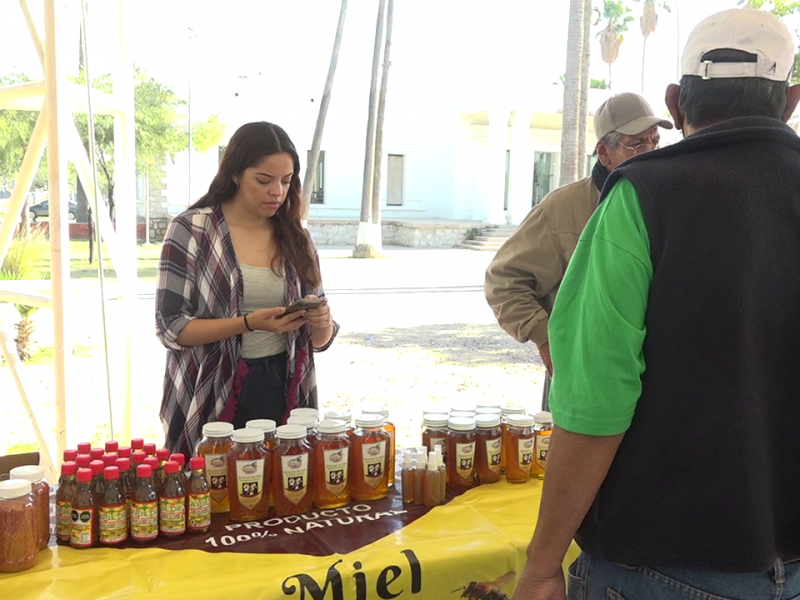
column 671, row 98
column 792, row 98
column 602, row 154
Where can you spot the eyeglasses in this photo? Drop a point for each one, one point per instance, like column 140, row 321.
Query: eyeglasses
column 641, row 146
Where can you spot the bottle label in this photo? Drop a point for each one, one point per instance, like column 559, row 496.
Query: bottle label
column 465, row 460
column 144, row 521
column 217, row 475
column 494, row 451
column 294, row 469
column 199, row 511
column 113, row 524
column 63, row 520
column 440, row 441
column 374, row 460
column 82, row 532
column 525, row 448
column 250, row 481
column 336, row 462
column 542, row 448
column 172, row 515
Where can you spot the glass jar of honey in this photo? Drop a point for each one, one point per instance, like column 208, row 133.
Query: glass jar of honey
column 543, row 427
column 520, row 448
column 214, row 447
column 391, row 431
column 434, row 432
column 488, row 406
column 248, row 476
column 505, row 411
column 307, row 421
column 369, row 473
column 488, row 447
column 487, row 411
column 342, row 415
column 291, row 470
column 460, row 453
column 268, row 426
column 305, row 411
column 331, row 459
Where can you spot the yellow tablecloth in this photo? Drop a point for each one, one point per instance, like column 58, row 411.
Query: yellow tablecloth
column 478, row 537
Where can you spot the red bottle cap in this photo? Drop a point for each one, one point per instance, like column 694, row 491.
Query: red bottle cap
column 70, row 455
column 150, row 449
column 69, row 468
column 198, row 462
column 109, row 459
column 123, row 464
column 124, row 452
column 84, row 448
column 97, row 466
column 152, row 462
column 112, row 446
column 84, row 475
column 97, row 453
column 111, row 473
column 137, row 443
column 83, row 461
column 162, row 454
column 144, row 471
column 171, row 467
column 178, row 458
column 137, row 458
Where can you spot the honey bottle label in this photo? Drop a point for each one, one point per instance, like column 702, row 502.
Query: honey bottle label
column 440, row 441
column 63, row 520
column 374, row 460
column 525, row 446
column 81, row 532
column 144, row 521
column 294, row 469
column 217, row 475
column 494, row 452
column 542, row 448
column 113, row 524
column 250, row 481
column 199, row 511
column 465, row 460
column 336, row 470
column 172, row 515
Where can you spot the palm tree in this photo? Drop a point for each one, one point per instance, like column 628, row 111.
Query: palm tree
column 583, row 111
column 570, row 116
column 376, row 182
column 647, row 23
column 616, row 18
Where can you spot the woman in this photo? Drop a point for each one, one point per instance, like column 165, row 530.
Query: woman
column 230, row 266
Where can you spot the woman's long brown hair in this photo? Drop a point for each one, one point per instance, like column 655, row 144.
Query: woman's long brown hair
column 248, row 146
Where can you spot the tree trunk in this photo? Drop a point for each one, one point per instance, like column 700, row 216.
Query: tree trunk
column 569, row 119
column 376, row 184
column 316, row 142
column 583, row 112
column 365, row 235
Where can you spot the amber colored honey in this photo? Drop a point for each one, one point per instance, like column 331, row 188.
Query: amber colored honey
column 331, row 487
column 457, row 476
column 249, row 500
column 362, row 486
column 220, row 500
column 485, row 438
column 293, row 497
column 517, row 469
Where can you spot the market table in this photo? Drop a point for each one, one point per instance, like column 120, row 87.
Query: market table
column 446, row 552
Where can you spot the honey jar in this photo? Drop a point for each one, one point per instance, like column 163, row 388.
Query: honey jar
column 248, row 476
column 331, row 460
column 369, row 473
column 488, row 447
column 291, row 470
column 460, row 453
column 214, row 447
column 519, row 455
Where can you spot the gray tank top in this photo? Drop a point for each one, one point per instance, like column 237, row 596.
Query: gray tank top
column 262, row 289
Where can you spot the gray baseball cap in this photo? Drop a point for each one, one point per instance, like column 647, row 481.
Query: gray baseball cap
column 626, row 113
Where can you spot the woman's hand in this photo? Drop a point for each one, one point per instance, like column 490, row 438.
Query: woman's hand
column 320, row 318
column 275, row 321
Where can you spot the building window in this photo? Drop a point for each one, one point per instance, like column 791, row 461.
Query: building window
column 318, row 190
column 397, row 166
column 543, row 167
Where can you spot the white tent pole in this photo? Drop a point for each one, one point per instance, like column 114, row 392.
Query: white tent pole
column 37, row 40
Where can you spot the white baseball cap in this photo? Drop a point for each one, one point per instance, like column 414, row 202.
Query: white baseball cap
column 626, row 113
column 747, row 29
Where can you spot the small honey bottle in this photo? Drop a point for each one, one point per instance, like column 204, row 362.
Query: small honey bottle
column 461, row 453
column 198, row 518
column 434, row 430
column 291, row 468
column 542, row 429
column 126, row 482
column 520, row 448
column 98, row 483
column 437, row 450
column 408, row 477
column 83, row 533
column 369, row 472
column 431, row 485
column 113, row 521
column 144, row 506
column 420, row 468
column 329, row 482
column 67, row 486
column 172, row 502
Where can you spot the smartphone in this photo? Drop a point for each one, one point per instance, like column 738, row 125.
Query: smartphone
column 304, row 304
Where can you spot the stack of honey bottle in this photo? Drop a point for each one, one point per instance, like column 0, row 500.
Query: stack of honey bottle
column 423, row 476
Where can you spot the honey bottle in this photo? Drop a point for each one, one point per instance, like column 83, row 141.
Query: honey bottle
column 520, row 448
column 144, row 506
column 389, row 428
column 307, row 421
column 162, row 454
column 67, row 486
column 179, row 458
column 434, row 430
column 369, row 471
column 408, row 477
column 154, row 465
column 126, row 483
column 488, row 447
column 329, row 481
column 460, row 453
column 214, row 448
column 70, row 455
column 113, row 518
column 342, row 415
column 248, row 476
column 505, row 411
column 98, row 484
column 291, row 469
column 437, row 450
column 543, row 427
column 112, row 447
column 172, row 502
column 431, row 486
column 420, row 468
column 198, row 518
column 83, row 532
column 268, row 426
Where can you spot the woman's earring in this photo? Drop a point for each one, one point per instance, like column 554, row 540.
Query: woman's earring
column 236, row 181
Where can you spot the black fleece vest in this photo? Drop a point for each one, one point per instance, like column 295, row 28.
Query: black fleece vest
column 708, row 475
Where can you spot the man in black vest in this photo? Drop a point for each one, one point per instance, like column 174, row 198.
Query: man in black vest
column 674, row 339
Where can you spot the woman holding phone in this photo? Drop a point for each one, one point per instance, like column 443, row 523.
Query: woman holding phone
column 229, row 267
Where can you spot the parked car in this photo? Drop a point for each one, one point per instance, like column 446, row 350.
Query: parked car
column 43, row 210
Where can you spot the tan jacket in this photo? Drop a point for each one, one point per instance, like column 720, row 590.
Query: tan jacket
column 524, row 277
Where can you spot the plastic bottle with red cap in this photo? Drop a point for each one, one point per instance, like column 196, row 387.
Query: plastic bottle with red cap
column 126, row 483
column 144, row 506
column 84, row 448
column 137, row 443
column 70, row 455
column 97, row 453
column 172, row 502
column 83, row 532
column 113, row 521
column 137, row 458
column 124, row 452
column 179, row 458
column 98, row 485
column 67, row 486
column 112, row 446
column 162, row 454
column 198, row 501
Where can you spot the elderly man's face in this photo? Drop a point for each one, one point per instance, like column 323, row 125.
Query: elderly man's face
column 629, row 145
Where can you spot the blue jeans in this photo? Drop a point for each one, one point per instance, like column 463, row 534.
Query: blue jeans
column 597, row 579
column 263, row 394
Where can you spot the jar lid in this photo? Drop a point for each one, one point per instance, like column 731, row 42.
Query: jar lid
column 489, row 404
column 462, row 408
column 488, row 420
column 248, row 436
column 461, row 424
column 512, row 409
column 331, row 426
column 14, row 488
column 265, row 425
column 339, row 415
column 304, row 412
column 434, row 420
column 32, row 473
column 304, row 420
column 488, row 410
column 215, row 429
column 137, row 443
column 375, row 409
column 291, row 432
column 519, row 420
column 543, row 417
column 369, row 420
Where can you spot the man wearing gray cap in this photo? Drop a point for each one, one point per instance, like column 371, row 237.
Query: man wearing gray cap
column 523, row 279
column 675, row 449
